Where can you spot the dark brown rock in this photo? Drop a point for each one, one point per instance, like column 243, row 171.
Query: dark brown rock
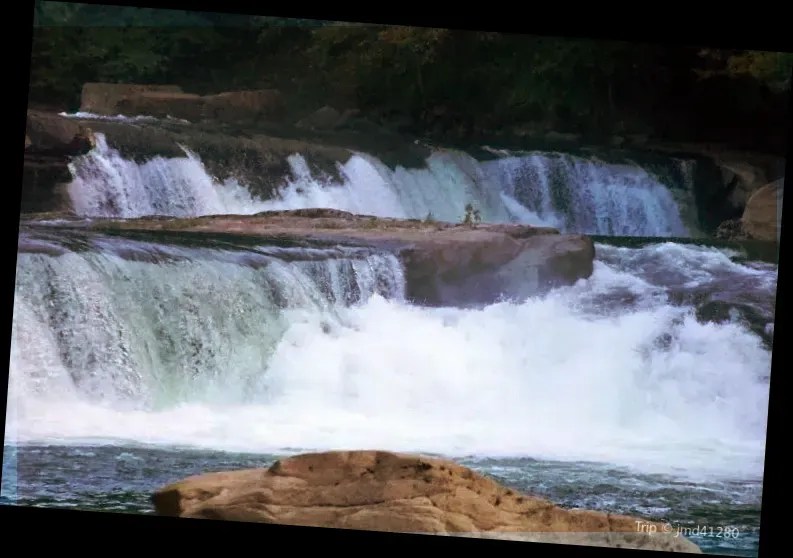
column 50, row 143
column 383, row 491
column 325, row 118
column 163, row 104
column 234, row 106
column 51, row 134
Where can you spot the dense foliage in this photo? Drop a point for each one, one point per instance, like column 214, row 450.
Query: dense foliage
column 464, row 78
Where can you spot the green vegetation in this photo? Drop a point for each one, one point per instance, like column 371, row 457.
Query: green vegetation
column 432, row 80
column 471, row 215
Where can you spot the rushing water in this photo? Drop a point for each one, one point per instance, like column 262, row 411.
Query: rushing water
column 612, row 380
column 642, row 390
column 571, row 193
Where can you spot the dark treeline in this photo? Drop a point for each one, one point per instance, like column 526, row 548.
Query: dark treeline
column 422, row 77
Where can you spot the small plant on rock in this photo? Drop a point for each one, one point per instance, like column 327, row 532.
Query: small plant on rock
column 471, row 215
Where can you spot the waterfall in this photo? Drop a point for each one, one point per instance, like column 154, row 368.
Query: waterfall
column 571, row 193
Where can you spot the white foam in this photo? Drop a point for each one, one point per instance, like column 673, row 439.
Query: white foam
column 566, row 192
column 542, row 379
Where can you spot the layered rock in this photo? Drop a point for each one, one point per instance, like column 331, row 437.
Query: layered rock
column 383, row 491
column 50, row 143
column 445, row 264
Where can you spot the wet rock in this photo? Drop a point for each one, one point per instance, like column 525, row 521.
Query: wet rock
column 722, row 311
column 382, row 491
column 730, row 230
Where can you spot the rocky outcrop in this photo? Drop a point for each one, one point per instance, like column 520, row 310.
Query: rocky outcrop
column 445, row 264
column 104, row 98
column 161, row 104
column 761, row 218
column 763, row 213
column 161, row 101
column 50, row 134
column 50, row 143
column 328, row 118
column 382, row 491
column 235, row 106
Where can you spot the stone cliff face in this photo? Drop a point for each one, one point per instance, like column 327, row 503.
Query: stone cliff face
column 383, row 491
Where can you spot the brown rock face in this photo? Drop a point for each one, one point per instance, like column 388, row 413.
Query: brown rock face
column 763, row 211
column 382, row 491
column 103, row 98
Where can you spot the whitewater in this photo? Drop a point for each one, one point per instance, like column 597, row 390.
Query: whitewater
column 544, row 189
column 131, row 354
column 263, row 356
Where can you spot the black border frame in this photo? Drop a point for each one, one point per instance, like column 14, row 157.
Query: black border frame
column 745, row 27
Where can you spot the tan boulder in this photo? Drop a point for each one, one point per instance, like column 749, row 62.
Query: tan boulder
column 761, row 218
column 232, row 106
column 104, row 98
column 383, row 491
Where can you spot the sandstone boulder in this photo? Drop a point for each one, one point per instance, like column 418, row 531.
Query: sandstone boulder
column 233, row 106
column 162, row 104
column 103, row 98
column 382, row 491
column 762, row 216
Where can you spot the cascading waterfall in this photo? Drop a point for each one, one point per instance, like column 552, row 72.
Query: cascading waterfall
column 239, row 349
column 140, row 326
column 567, row 192
column 575, row 194
column 105, row 184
